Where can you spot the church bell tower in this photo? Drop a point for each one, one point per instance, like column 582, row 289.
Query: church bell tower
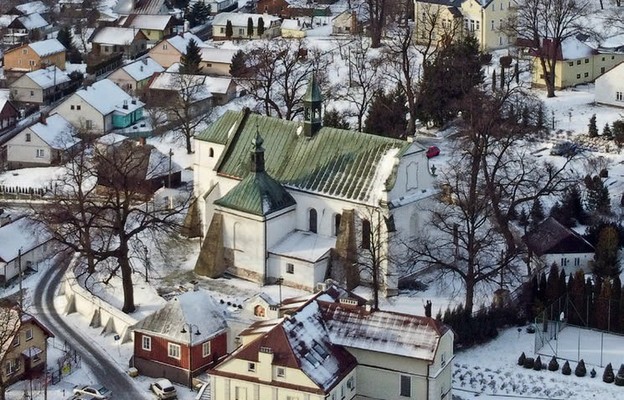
column 312, row 103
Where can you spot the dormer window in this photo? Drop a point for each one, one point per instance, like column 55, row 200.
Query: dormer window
column 251, row 367
column 281, row 372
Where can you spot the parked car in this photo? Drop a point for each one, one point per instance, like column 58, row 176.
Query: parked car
column 433, row 151
column 565, row 149
column 163, row 389
column 93, row 392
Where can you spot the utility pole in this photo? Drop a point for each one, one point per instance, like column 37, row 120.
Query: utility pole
column 19, row 268
column 170, row 155
column 147, row 263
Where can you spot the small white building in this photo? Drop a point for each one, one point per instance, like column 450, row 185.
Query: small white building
column 610, row 87
column 239, row 26
column 136, row 75
column 40, row 86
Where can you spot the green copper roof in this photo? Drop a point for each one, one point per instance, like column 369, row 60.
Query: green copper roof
column 334, row 162
column 257, row 194
column 313, row 93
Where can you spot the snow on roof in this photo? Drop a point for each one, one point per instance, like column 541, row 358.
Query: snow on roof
column 111, row 138
column 5, row 20
column 197, row 308
column 179, row 42
column 56, row 132
column 21, row 234
column 141, row 21
column 211, row 54
column 304, row 245
column 114, row 35
column 32, row 7
column 572, row 49
column 107, row 97
column 291, row 24
column 33, row 21
column 159, row 165
column 193, row 86
column 217, row 84
column 240, row 19
column 47, row 47
column 48, row 77
column 142, row 69
column 613, row 42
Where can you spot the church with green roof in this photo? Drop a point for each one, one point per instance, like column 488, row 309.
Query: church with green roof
column 298, row 203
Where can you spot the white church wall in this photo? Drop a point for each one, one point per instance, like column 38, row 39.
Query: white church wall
column 304, row 275
column 203, row 169
column 244, row 234
column 280, row 225
column 326, row 210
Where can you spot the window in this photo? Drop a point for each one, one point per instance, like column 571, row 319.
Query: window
column 210, row 152
column 578, row 76
column 351, row 383
column 164, row 47
column 578, row 62
column 16, row 341
column 89, row 124
column 337, row 218
column 577, row 262
column 281, row 372
column 78, row 107
column 24, row 51
column 251, row 367
column 501, row 5
column 222, row 30
column 72, row 107
column 366, row 233
column 492, row 27
column 241, row 31
column 478, row 24
column 406, row 386
column 564, row 261
column 40, row 153
column 12, row 366
column 28, row 137
column 147, row 343
column 443, row 359
column 206, row 349
column 32, row 93
column 602, row 70
column 587, row 61
column 312, row 220
column 32, row 63
column 603, row 58
column 29, row 334
column 173, row 350
column 618, row 96
column 586, row 74
column 208, row 65
column 571, row 63
column 290, row 268
column 472, row 25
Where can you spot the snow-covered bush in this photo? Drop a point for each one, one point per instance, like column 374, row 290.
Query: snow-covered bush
column 529, row 362
column 580, row 369
column 521, row 359
column 553, row 365
column 538, row 364
column 607, row 375
column 566, row 370
column 592, row 373
column 619, row 378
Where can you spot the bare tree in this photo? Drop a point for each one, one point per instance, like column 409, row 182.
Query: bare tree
column 10, row 324
column 377, row 11
column 544, row 25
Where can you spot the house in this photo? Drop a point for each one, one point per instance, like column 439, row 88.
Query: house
column 219, row 6
column 319, row 191
column 610, row 87
column 169, row 51
column 150, row 7
column 9, row 114
column 239, row 26
column 29, row 8
column 24, row 247
column 42, row 144
column 216, row 61
column 346, row 23
column 576, row 63
column 100, row 108
column 223, row 89
column 190, row 330
column 25, row 355
column 483, row 19
column 36, row 55
column 154, row 27
column 109, row 40
column 32, row 26
column 334, row 346
column 135, row 76
column 292, row 28
column 41, row 86
column 552, row 242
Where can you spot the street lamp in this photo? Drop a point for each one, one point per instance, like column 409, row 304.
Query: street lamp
column 279, row 281
column 190, row 332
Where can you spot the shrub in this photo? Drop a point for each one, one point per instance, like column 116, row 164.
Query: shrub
column 505, row 61
column 592, row 373
column 619, row 378
column 553, row 365
column 604, row 173
column 607, row 375
column 566, row 370
column 580, row 369
column 529, row 362
column 538, row 364
column 521, row 359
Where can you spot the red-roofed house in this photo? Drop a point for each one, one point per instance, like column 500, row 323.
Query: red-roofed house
column 333, row 346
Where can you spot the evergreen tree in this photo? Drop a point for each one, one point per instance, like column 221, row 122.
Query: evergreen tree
column 386, row 115
column 553, row 365
column 572, row 204
column 552, row 285
column 614, row 304
column 523, row 219
column 65, row 37
column 238, row 68
column 198, row 14
column 598, row 198
column 517, row 73
column 617, row 128
column 250, row 27
column 602, row 309
column 181, row 4
column 566, row 370
column 577, row 314
column 260, row 26
column 333, row 118
column 190, row 60
column 606, row 132
column 229, row 30
column 608, row 376
column 580, row 369
column 494, row 80
column 606, row 263
column 593, row 129
column 541, row 119
column 502, row 78
column 537, row 213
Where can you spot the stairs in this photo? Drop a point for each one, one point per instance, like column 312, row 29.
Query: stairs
column 204, row 392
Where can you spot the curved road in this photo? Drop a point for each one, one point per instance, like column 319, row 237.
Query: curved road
column 100, row 364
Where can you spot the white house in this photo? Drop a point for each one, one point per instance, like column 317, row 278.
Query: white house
column 43, row 144
column 136, row 75
column 100, row 108
column 239, row 25
column 276, row 198
column 610, row 87
column 552, row 242
column 40, row 86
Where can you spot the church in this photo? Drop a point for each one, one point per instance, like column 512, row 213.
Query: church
column 296, row 203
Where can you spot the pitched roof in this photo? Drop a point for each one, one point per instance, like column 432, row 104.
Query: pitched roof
column 313, row 92
column 191, row 87
column 22, row 234
column 303, row 245
column 180, row 42
column 197, row 308
column 48, row 77
column 334, row 162
column 240, row 19
column 142, row 69
column 211, row 54
column 114, row 35
column 144, row 21
column 140, row 6
column 32, row 7
column 30, row 21
column 56, row 132
column 106, row 97
column 47, row 47
column 551, row 237
column 570, row 49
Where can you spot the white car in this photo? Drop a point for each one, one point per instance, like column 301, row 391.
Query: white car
column 93, row 392
column 163, row 389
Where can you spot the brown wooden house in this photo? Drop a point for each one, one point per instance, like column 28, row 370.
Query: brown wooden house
column 8, row 114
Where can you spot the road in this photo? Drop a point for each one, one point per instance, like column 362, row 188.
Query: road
column 107, row 372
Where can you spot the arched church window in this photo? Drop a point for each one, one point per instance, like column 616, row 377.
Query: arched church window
column 366, row 234
column 337, row 218
column 312, row 220
column 211, row 152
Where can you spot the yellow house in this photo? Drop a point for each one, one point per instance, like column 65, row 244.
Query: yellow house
column 292, row 28
column 331, row 345
column 37, row 55
column 483, row 19
column 154, row 27
column 576, row 63
column 168, row 51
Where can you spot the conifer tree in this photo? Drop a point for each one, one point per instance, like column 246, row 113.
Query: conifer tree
column 64, row 36
column 517, row 73
column 198, row 14
column 250, row 27
column 537, row 213
column 608, row 376
column 494, row 80
column 229, row 30
column 606, row 263
column 387, row 115
column 553, row 365
column 333, row 118
column 260, row 26
column 566, row 370
column 598, row 198
column 572, row 204
column 238, row 68
column 502, row 78
column 593, row 129
column 606, row 132
column 602, row 309
column 190, row 60
column 580, row 369
column 552, row 290
column 578, row 313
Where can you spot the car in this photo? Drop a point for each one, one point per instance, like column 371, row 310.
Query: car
column 565, row 149
column 433, row 151
column 163, row 389
column 94, row 392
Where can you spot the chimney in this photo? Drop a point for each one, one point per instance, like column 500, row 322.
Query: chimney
column 125, row 105
column 43, row 117
column 144, row 62
column 133, row 101
column 141, row 68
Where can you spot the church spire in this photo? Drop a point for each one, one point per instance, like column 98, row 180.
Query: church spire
column 312, row 103
column 257, row 153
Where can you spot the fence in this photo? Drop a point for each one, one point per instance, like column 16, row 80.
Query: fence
column 21, row 192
